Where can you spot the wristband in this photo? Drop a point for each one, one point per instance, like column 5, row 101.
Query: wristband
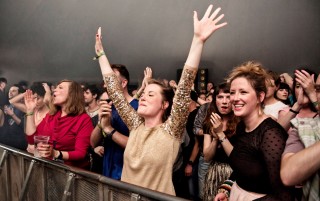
column 99, row 55
column 60, row 156
column 223, row 139
column 190, row 163
column 29, row 114
column 109, row 135
column 293, row 111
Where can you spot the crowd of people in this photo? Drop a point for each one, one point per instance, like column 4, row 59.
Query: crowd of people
column 248, row 138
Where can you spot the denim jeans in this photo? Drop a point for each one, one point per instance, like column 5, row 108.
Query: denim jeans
column 202, row 172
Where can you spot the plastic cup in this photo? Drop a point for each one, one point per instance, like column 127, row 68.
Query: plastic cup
column 39, row 139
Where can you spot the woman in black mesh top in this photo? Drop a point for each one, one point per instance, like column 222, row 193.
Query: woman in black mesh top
column 255, row 153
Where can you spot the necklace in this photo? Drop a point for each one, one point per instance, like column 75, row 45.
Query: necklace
column 92, row 113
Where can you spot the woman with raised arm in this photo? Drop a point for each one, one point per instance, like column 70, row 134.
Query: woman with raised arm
column 155, row 136
column 67, row 124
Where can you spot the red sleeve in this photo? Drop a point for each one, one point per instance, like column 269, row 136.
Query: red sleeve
column 82, row 142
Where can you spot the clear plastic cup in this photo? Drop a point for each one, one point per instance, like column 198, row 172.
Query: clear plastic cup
column 39, row 139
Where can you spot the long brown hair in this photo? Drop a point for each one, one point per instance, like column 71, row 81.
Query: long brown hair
column 232, row 121
column 75, row 104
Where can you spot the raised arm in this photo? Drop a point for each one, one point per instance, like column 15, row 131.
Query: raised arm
column 126, row 112
column 31, row 102
column 307, row 82
column 203, row 29
column 16, row 102
column 47, row 95
column 147, row 76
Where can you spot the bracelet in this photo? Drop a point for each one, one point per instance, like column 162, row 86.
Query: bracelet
column 109, row 135
column 29, row 114
column 104, row 134
column 223, row 139
column 315, row 103
column 293, row 111
column 226, row 187
column 99, row 55
column 190, row 162
column 99, row 126
column 60, row 156
column 222, row 190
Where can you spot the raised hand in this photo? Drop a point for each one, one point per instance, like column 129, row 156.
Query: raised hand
column 46, row 87
column 147, row 76
column 98, row 45
column 300, row 96
column 8, row 110
column 306, row 81
column 173, row 84
column 216, row 122
column 208, row 24
column 30, row 101
column 105, row 113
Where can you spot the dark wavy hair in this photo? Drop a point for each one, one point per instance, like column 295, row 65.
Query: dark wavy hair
column 232, row 122
column 38, row 88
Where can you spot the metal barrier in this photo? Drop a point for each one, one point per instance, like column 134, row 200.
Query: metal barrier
column 26, row 178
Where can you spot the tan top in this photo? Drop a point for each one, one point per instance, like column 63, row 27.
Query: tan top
column 151, row 152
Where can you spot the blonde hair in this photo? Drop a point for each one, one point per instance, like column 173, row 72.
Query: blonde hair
column 254, row 72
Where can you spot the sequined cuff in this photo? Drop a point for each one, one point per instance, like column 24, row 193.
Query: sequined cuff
column 126, row 112
column 179, row 113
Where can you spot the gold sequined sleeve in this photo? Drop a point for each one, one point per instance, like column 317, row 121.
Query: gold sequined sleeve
column 177, row 120
column 126, row 112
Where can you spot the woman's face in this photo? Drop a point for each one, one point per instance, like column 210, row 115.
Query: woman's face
column 209, row 86
column 282, row 94
column 40, row 102
column 151, row 101
column 243, row 98
column 60, row 94
column 223, row 103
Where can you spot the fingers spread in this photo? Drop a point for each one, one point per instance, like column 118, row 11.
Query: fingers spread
column 215, row 13
column 206, row 15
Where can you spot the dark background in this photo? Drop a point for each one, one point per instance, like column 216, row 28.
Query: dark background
column 54, row 39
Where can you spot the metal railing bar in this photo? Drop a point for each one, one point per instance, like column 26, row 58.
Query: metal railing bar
column 3, row 157
column 97, row 177
column 67, row 191
column 26, row 181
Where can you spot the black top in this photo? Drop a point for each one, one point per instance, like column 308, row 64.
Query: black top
column 256, row 157
column 189, row 127
column 13, row 134
column 221, row 155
